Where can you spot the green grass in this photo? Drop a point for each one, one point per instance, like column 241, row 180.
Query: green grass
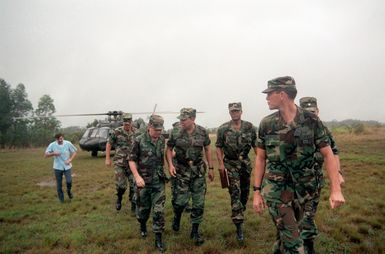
column 33, row 221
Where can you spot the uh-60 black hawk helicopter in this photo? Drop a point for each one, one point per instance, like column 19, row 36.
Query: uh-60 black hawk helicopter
column 95, row 138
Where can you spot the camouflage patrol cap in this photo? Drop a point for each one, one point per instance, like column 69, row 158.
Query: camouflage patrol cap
column 127, row 117
column 282, row 83
column 235, row 106
column 156, row 122
column 308, row 103
column 187, row 113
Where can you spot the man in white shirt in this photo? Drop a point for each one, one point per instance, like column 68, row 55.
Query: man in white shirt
column 63, row 152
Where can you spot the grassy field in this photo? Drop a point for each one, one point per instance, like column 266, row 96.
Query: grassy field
column 33, row 221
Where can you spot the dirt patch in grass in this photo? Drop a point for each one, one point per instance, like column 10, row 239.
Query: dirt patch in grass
column 48, row 183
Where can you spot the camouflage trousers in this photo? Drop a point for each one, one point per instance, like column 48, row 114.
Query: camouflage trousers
column 305, row 223
column 239, row 188
column 173, row 194
column 190, row 182
column 124, row 179
column 279, row 194
column 173, row 191
column 292, row 208
column 309, row 230
column 152, row 196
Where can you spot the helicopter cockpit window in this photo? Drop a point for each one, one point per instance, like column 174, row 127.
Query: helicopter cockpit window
column 94, row 133
column 99, row 133
column 103, row 132
column 87, row 133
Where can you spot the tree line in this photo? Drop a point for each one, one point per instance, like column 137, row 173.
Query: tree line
column 20, row 124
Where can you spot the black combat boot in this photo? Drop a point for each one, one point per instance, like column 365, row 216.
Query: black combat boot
column 143, row 229
column 119, row 193
column 176, row 220
column 158, row 242
column 309, row 246
column 195, row 235
column 240, row 236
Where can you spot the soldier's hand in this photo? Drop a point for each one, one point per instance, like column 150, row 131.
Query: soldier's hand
column 139, row 182
column 211, row 175
column 172, row 170
column 108, row 162
column 258, row 202
column 336, row 199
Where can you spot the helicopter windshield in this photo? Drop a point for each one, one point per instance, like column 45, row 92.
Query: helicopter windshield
column 87, row 133
column 99, row 133
column 103, row 132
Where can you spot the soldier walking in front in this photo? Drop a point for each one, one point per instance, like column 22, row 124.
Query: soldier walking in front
column 146, row 159
column 287, row 142
column 189, row 170
column 234, row 141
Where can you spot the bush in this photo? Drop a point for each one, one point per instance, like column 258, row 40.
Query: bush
column 358, row 128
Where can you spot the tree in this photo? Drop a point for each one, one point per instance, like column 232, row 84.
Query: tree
column 5, row 111
column 21, row 106
column 45, row 107
column 44, row 124
column 93, row 124
column 21, row 109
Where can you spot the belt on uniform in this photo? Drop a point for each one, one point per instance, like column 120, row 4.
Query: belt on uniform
column 190, row 163
column 240, row 157
column 276, row 176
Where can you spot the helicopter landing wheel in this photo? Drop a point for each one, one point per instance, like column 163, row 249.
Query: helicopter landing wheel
column 94, row 153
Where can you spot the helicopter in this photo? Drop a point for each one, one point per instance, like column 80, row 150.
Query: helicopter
column 95, row 138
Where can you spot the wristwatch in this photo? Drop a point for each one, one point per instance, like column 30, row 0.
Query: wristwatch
column 255, row 188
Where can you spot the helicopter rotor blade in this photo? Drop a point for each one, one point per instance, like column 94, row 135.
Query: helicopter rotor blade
column 110, row 113
column 163, row 112
column 95, row 114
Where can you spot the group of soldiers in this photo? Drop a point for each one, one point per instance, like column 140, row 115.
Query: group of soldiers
column 290, row 148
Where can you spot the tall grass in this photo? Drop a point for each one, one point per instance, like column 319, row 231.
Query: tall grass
column 33, row 221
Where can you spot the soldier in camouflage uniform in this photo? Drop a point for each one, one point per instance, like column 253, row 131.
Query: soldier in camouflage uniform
column 234, row 141
column 146, row 159
column 309, row 228
column 189, row 169
column 120, row 139
column 175, row 129
column 287, row 142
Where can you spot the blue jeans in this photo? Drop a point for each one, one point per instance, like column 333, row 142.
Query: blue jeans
column 59, row 178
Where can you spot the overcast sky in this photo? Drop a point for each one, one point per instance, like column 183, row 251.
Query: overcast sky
column 93, row 56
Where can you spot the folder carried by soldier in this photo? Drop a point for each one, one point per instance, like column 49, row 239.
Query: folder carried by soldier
column 224, row 178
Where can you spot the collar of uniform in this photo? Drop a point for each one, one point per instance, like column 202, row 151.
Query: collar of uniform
column 131, row 130
column 185, row 131
column 148, row 138
column 230, row 127
column 299, row 118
